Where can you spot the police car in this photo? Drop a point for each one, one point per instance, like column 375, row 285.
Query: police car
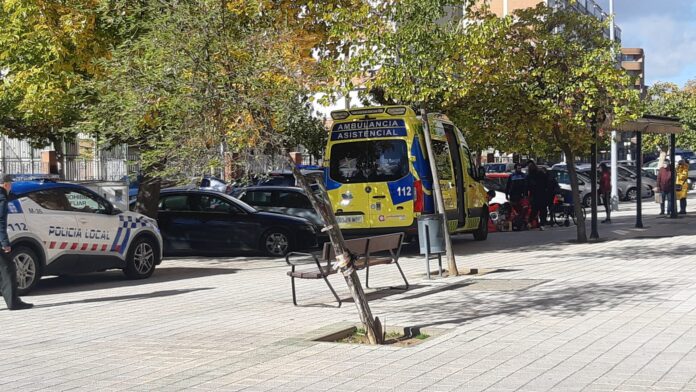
column 60, row 228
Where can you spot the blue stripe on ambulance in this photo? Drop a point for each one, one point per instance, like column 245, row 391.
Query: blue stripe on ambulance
column 401, row 190
column 423, row 171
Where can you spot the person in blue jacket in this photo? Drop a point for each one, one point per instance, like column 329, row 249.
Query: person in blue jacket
column 8, row 270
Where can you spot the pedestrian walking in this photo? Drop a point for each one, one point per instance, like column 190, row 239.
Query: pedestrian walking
column 538, row 184
column 665, row 187
column 605, row 190
column 8, row 270
column 682, row 189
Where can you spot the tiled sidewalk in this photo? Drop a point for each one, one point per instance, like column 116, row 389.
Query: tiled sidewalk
column 613, row 315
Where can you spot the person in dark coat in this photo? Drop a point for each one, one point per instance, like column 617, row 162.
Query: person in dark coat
column 665, row 187
column 516, row 188
column 605, row 190
column 538, row 197
column 516, row 191
column 8, row 270
column 552, row 189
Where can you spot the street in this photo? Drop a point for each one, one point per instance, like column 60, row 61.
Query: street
column 615, row 315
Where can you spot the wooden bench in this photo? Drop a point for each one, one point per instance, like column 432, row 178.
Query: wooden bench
column 369, row 252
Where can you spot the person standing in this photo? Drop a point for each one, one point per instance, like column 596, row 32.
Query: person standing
column 538, row 185
column 665, row 187
column 8, row 270
column 517, row 188
column 682, row 184
column 605, row 189
column 552, row 189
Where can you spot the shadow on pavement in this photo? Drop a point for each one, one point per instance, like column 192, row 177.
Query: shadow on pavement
column 112, row 279
column 385, row 293
column 636, row 253
column 564, row 302
column 122, row 298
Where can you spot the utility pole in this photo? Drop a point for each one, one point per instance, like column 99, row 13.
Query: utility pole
column 614, row 134
column 439, row 201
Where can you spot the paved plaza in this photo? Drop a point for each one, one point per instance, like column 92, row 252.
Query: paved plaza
column 619, row 314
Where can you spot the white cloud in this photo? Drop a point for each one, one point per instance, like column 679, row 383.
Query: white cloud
column 669, row 44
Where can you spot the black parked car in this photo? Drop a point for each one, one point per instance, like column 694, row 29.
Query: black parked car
column 195, row 221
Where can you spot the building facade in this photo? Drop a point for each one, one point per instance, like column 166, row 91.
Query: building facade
column 588, row 7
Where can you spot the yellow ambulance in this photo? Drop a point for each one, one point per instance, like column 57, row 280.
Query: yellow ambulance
column 379, row 179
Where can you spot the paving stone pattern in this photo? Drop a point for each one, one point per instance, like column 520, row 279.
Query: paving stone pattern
column 619, row 314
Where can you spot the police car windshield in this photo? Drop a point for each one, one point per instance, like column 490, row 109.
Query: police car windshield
column 369, row 161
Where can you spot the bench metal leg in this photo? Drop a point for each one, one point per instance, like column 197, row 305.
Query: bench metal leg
column 367, row 273
column 294, row 296
column 332, row 290
column 402, row 275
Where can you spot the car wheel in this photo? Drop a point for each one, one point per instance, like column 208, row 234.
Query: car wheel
column 482, row 232
column 28, row 268
column 587, row 200
column 631, row 194
column 275, row 243
column 141, row 259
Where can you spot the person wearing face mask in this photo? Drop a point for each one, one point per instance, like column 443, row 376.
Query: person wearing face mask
column 8, row 270
column 665, row 187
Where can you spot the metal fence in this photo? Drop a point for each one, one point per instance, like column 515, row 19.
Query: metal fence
column 19, row 157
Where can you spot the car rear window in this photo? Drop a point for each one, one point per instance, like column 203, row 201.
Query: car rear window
column 369, row 161
column 258, row 198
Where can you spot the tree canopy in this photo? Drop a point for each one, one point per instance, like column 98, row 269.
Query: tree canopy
column 668, row 99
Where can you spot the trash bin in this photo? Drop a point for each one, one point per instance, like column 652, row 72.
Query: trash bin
column 435, row 233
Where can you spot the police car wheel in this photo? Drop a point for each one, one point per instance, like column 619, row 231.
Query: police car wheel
column 276, row 243
column 142, row 257
column 28, row 268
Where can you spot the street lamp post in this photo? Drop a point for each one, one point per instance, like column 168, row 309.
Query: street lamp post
column 614, row 135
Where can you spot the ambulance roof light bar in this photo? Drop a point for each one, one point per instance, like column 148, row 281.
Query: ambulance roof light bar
column 340, row 115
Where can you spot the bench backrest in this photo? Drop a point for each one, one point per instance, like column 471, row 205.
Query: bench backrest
column 385, row 243
column 366, row 245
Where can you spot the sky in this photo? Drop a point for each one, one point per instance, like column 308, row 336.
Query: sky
column 666, row 30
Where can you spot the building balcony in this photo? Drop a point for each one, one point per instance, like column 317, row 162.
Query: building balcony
column 588, row 7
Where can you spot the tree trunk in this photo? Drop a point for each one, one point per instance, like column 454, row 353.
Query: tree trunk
column 148, row 196
column 60, row 156
column 577, row 202
column 345, row 261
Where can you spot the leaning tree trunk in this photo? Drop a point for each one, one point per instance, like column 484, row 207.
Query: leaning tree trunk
column 577, row 202
column 345, row 261
column 148, row 196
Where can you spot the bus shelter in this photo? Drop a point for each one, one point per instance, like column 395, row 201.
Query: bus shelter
column 653, row 124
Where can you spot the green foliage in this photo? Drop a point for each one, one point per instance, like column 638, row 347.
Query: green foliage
column 48, row 50
column 667, row 99
column 237, row 80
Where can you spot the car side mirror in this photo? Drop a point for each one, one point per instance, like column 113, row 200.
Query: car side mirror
column 116, row 211
column 481, row 172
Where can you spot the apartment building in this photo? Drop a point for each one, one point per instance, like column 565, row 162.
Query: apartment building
column 633, row 61
column 588, row 7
